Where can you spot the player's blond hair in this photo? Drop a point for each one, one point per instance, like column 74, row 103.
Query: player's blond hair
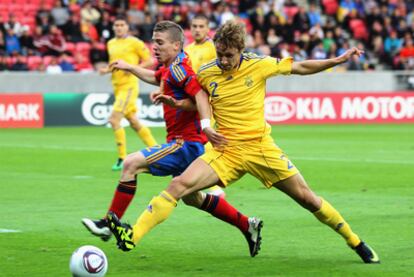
column 231, row 35
column 174, row 30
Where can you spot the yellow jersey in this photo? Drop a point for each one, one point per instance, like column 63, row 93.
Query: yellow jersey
column 130, row 49
column 237, row 96
column 200, row 53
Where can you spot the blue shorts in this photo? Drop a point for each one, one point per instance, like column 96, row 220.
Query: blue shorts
column 172, row 158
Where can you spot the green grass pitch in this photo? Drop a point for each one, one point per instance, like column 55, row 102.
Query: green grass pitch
column 50, row 178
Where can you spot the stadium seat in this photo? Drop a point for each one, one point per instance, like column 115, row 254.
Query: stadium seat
column 47, row 59
column 33, row 62
column 71, row 47
column 290, row 12
column 330, row 6
column 358, row 28
column 83, row 47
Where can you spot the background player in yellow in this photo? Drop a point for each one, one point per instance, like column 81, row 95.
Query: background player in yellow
column 237, row 82
column 125, row 85
column 201, row 51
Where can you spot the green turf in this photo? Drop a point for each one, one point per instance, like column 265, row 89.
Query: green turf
column 51, row 178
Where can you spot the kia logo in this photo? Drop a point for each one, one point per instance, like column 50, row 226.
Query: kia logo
column 279, row 108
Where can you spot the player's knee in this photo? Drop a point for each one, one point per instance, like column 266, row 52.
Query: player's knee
column 310, row 201
column 179, row 185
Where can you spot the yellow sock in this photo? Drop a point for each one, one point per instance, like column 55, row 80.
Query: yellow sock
column 331, row 217
column 158, row 210
column 120, row 140
column 145, row 134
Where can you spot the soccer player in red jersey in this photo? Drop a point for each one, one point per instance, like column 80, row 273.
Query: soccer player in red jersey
column 185, row 138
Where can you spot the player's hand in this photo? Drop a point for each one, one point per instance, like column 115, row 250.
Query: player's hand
column 217, row 140
column 119, row 64
column 349, row 53
column 103, row 70
column 166, row 99
column 153, row 95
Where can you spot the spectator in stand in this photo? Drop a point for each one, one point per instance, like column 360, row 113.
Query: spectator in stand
column 407, row 53
column 145, row 29
column 26, row 42
column 20, row 64
column 299, row 54
column 392, row 46
column 327, row 41
column 318, row 53
column 53, row 67
column 3, row 63
column 98, row 56
column 65, row 63
column 301, row 20
column 52, row 44
column 89, row 31
column 43, row 14
column 2, row 44
column 105, row 27
column 82, row 65
column 89, row 13
column 60, row 14
column 2, row 23
column 72, row 29
column 314, row 15
column 13, row 24
column 12, row 42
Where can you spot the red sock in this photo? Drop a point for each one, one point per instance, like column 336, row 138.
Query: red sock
column 220, row 208
column 123, row 196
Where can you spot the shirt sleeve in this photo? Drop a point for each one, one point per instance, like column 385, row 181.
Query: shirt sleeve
column 184, row 77
column 271, row 66
column 143, row 51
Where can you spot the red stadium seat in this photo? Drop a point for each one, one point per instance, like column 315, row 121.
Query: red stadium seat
column 83, row 47
column 47, row 59
column 101, row 46
column 290, row 12
column 331, row 6
column 358, row 28
column 71, row 47
column 33, row 62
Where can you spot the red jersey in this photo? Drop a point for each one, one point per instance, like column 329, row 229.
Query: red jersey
column 179, row 81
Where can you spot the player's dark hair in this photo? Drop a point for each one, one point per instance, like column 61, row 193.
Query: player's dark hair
column 201, row 16
column 174, row 30
column 231, row 35
column 121, row 17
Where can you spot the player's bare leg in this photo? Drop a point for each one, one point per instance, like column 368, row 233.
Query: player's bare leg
column 142, row 131
column 120, row 138
column 297, row 188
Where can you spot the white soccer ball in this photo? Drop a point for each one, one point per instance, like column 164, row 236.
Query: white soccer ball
column 88, row 261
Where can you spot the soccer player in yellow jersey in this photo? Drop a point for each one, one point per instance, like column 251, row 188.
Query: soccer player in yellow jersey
column 201, row 51
column 125, row 86
column 237, row 82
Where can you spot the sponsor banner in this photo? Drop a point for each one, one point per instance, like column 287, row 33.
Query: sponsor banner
column 309, row 108
column 21, row 110
column 74, row 109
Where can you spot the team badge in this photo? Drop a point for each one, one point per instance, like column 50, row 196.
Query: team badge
column 248, row 81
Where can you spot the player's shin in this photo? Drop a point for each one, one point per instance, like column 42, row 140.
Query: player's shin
column 123, row 196
column 158, row 210
column 331, row 217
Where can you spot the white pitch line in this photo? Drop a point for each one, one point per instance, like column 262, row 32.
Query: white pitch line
column 9, row 231
column 344, row 160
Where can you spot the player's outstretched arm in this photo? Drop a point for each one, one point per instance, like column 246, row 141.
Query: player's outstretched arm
column 144, row 74
column 315, row 66
column 183, row 104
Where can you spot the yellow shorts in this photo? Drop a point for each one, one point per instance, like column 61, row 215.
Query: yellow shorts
column 126, row 99
column 262, row 159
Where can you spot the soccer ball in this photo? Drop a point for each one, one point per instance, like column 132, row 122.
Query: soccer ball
column 88, row 261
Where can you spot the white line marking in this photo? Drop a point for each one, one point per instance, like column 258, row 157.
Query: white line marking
column 9, row 231
column 344, row 160
column 82, row 177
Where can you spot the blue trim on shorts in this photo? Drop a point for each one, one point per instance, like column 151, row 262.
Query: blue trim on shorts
column 172, row 158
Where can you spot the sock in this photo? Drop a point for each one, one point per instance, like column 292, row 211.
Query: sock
column 220, row 208
column 145, row 134
column 120, row 140
column 158, row 210
column 331, row 217
column 123, row 196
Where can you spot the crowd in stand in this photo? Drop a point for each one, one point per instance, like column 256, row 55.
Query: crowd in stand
column 70, row 35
